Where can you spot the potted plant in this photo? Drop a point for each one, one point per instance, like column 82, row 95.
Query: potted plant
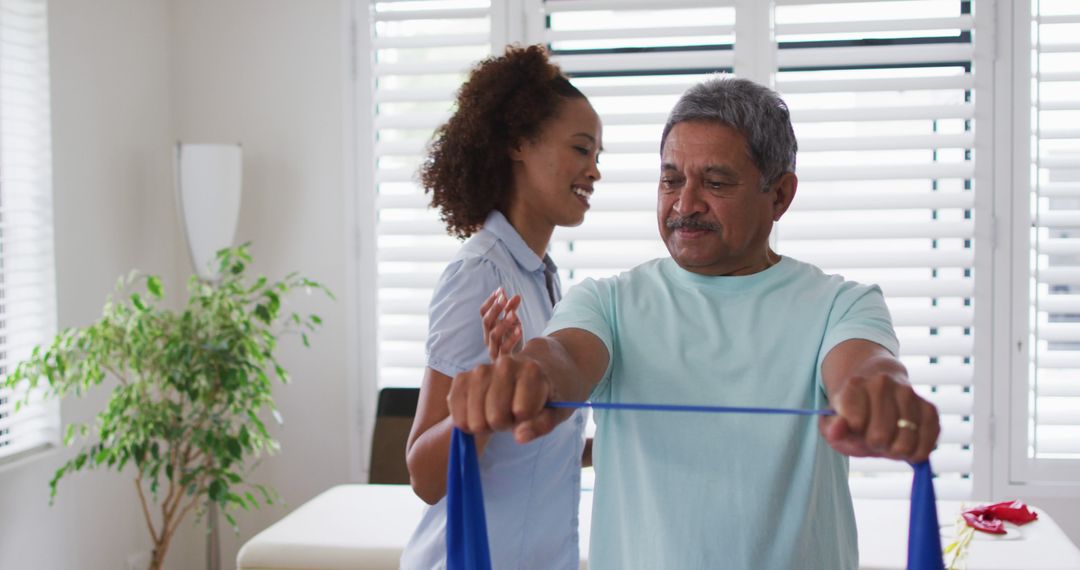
column 190, row 387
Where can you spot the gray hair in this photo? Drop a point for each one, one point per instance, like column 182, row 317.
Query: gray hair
column 756, row 111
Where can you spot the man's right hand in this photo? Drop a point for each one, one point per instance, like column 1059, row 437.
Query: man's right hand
column 510, row 394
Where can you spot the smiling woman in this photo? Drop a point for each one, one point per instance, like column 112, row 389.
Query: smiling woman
column 517, row 159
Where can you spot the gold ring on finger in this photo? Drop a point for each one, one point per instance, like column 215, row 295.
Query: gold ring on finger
column 907, row 424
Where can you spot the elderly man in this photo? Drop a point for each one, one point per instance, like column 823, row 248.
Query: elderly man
column 724, row 321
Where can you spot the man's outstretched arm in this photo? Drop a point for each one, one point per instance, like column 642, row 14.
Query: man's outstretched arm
column 877, row 412
column 511, row 393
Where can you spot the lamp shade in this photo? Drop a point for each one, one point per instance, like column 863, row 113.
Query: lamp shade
column 208, row 183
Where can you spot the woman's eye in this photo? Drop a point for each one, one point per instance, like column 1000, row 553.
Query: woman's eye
column 584, row 151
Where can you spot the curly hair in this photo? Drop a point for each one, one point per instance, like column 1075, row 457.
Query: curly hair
column 506, row 100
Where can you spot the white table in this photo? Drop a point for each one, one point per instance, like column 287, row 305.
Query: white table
column 366, row 527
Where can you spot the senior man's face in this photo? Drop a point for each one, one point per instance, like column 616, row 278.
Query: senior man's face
column 714, row 216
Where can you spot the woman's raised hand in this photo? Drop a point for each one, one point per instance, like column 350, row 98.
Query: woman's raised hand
column 502, row 328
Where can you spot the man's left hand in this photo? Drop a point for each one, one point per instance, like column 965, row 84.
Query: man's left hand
column 878, row 414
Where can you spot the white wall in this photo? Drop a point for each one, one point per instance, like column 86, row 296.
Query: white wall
column 112, row 131
column 270, row 74
column 130, row 77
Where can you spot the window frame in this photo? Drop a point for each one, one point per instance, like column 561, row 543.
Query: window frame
column 1002, row 222
column 27, row 23
column 1012, row 472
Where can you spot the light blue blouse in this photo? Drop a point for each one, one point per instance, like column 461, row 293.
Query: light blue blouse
column 531, row 491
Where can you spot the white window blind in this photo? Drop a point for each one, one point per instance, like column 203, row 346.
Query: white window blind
column 27, row 282
column 632, row 60
column 882, row 97
column 1053, row 383
column 421, row 53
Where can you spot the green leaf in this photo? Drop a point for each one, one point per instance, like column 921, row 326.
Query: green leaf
column 258, row 285
column 263, row 313
column 261, row 427
column 237, row 500
column 273, row 302
column 234, row 448
column 138, row 302
column 153, row 285
column 216, row 489
column 267, row 495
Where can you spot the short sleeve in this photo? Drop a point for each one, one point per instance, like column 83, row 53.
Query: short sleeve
column 455, row 341
column 859, row 312
column 587, row 306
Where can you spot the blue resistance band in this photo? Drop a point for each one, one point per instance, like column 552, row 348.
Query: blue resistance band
column 680, row 408
column 466, row 526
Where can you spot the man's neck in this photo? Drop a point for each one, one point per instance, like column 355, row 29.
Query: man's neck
column 741, row 268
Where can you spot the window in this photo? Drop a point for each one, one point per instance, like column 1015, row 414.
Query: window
column 27, row 282
column 1046, row 447
column 882, row 99
column 422, row 51
column 633, row 63
column 885, row 104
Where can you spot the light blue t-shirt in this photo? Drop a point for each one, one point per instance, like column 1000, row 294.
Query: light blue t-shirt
column 706, row 491
column 531, row 491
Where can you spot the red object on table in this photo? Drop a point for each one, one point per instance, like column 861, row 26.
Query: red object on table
column 992, row 518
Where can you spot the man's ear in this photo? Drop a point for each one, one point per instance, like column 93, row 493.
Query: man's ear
column 785, row 189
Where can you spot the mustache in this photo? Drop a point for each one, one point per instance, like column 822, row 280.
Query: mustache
column 690, row 222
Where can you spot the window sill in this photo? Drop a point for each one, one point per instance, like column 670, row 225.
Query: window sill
column 28, row 456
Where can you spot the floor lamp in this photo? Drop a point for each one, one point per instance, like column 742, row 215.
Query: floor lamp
column 208, row 184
